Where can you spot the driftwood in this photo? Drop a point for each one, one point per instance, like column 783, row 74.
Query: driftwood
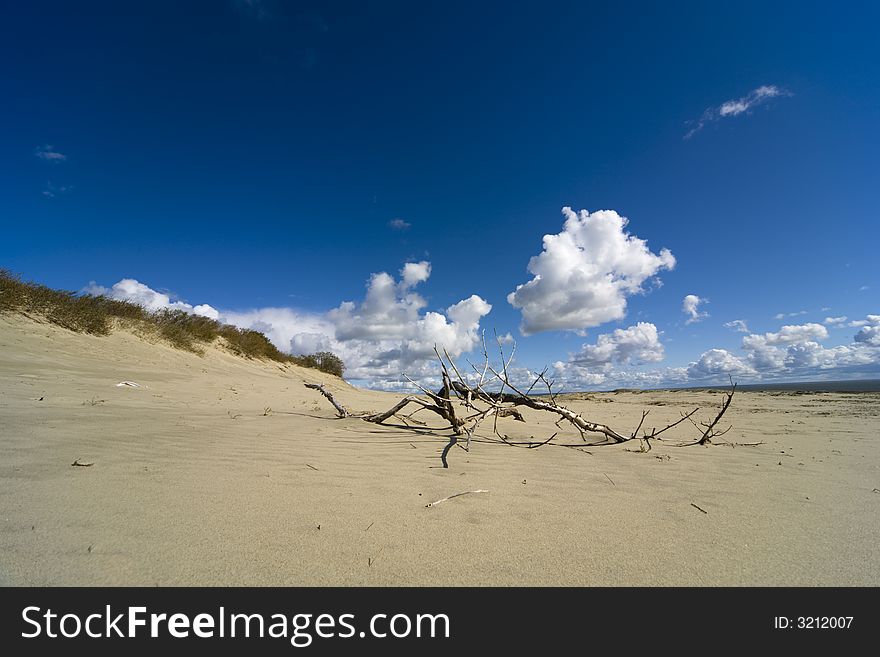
column 491, row 394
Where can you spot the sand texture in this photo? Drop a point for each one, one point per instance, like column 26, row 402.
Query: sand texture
column 223, row 471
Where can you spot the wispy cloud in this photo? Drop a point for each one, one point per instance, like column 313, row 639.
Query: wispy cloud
column 784, row 315
column 52, row 191
column 738, row 325
column 737, row 106
column 399, row 224
column 48, row 153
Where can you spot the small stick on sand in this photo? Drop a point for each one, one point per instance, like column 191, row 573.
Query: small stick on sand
column 467, row 492
column 699, row 509
column 609, row 479
column 311, row 466
column 79, row 464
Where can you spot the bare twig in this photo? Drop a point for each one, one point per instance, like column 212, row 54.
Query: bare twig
column 467, row 492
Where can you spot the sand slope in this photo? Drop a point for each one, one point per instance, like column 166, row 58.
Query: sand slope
column 193, row 484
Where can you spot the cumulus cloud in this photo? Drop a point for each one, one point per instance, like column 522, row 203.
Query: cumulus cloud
column 718, row 361
column 738, row 325
column 835, row 321
column 690, row 306
column 292, row 331
column 737, row 106
column 391, row 326
column 414, row 273
column 869, row 335
column 129, row 289
column 585, row 273
column 387, row 334
column 636, row 344
column 570, row 376
column 794, row 352
column 399, row 224
column 869, row 320
column 507, row 338
column 48, row 153
column 789, row 335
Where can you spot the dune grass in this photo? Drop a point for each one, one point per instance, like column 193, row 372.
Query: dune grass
column 96, row 314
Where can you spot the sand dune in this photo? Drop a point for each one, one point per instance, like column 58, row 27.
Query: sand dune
column 194, row 482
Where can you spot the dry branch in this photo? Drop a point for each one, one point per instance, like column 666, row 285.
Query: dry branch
column 339, row 407
column 494, row 395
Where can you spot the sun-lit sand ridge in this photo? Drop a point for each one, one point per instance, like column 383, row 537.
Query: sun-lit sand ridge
column 224, row 471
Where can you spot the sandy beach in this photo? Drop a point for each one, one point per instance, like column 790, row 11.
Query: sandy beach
column 219, row 470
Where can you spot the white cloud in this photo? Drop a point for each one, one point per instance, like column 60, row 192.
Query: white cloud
column 718, row 361
column 585, row 273
column 784, row 315
column 796, row 350
column 790, row 334
column 507, row 338
column 690, row 307
column 738, row 325
column 414, row 273
column 737, row 106
column 792, row 353
column 292, row 331
column 869, row 320
column 47, row 152
column 754, row 97
column 869, row 335
column 379, row 339
column 835, row 321
column 570, row 376
column 205, row 310
column 389, row 332
column 399, row 224
column 636, row 344
column 129, row 289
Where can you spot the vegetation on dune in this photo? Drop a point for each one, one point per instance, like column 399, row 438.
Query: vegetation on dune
column 95, row 315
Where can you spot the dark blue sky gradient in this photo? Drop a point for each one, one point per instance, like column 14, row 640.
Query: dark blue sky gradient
column 249, row 155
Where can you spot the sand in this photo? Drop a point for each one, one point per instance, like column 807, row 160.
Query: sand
column 194, row 482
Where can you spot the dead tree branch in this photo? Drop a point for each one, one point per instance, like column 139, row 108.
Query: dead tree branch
column 340, row 409
column 492, row 393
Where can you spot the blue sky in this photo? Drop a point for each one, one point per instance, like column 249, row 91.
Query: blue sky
column 255, row 156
